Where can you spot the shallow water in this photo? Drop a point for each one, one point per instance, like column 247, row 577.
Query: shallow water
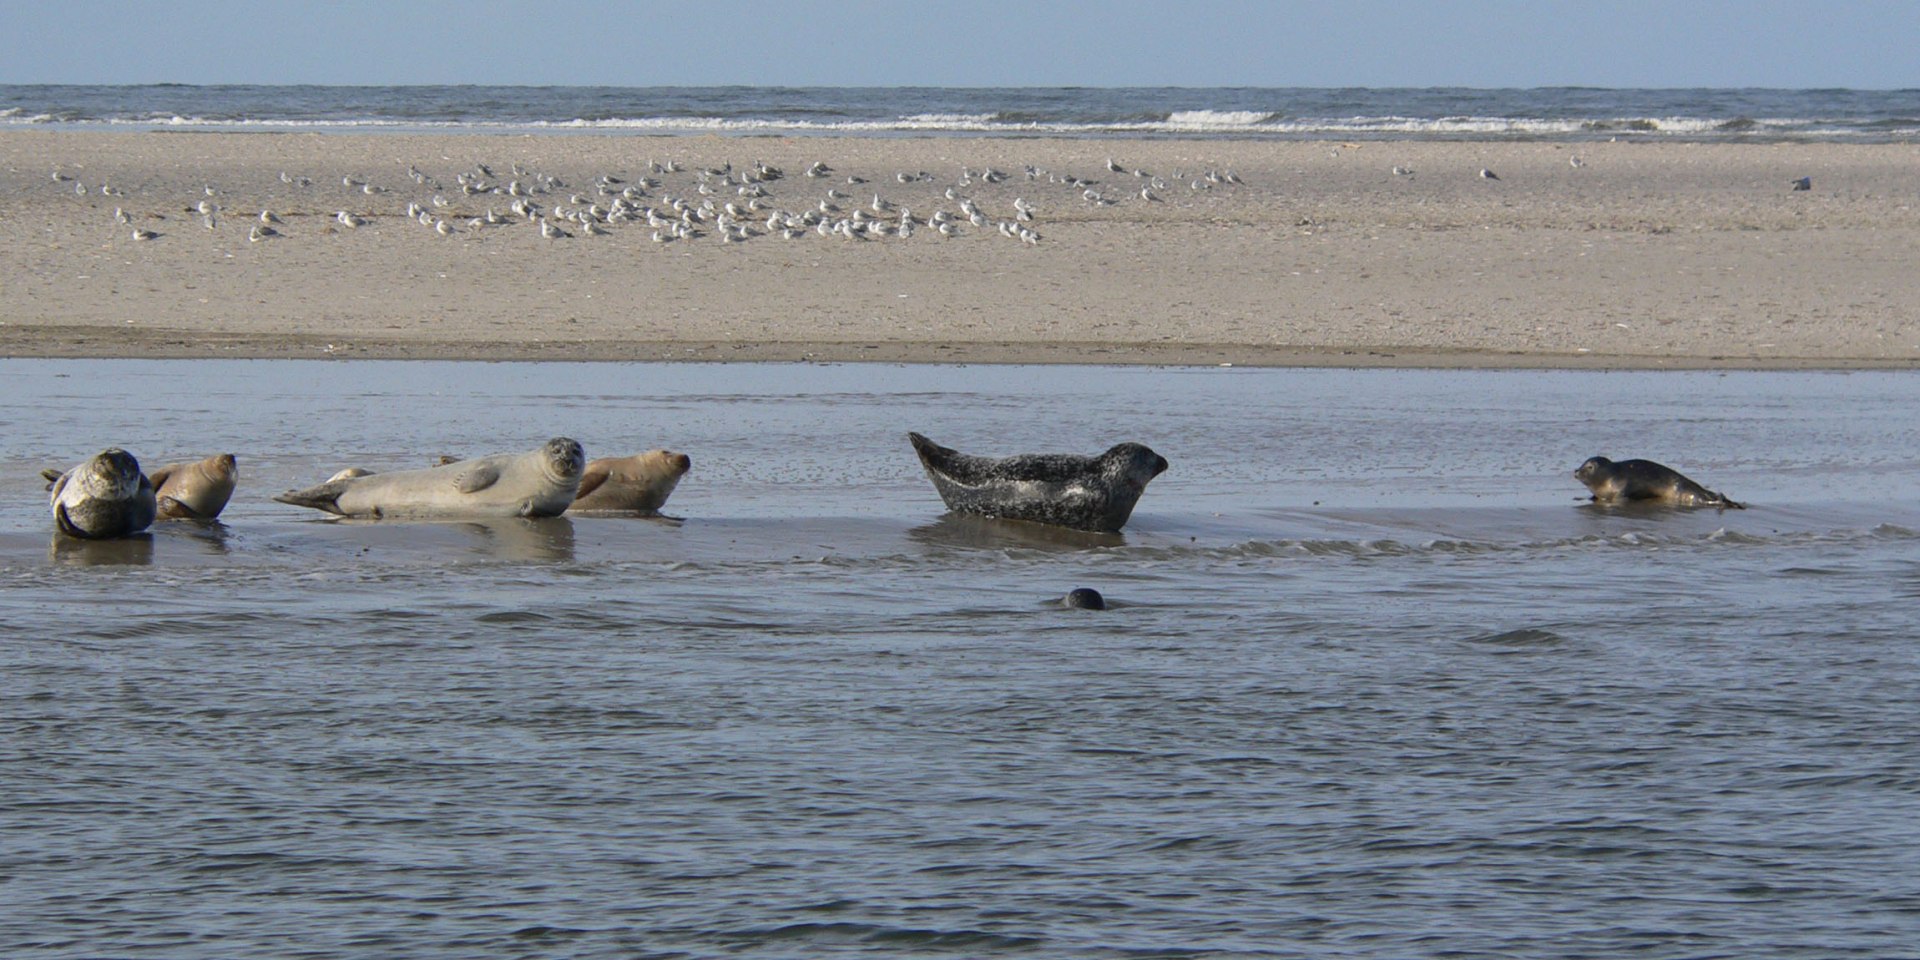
column 1375, row 684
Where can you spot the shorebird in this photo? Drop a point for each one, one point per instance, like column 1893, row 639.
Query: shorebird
column 145, row 235
column 1804, row 183
column 261, row 232
column 121, row 216
column 552, row 232
column 1403, row 171
column 1146, row 193
column 1114, row 167
column 1486, row 174
column 268, row 216
column 1576, row 162
column 348, row 220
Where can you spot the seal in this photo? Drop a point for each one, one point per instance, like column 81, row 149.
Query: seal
column 638, row 484
column 1613, row 482
column 538, row 483
column 106, row 496
column 1084, row 598
column 197, row 490
column 1096, row 494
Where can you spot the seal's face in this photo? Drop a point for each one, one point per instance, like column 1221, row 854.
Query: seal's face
column 112, row 474
column 1594, row 471
column 222, row 467
column 667, row 463
column 1133, row 464
column 565, row 457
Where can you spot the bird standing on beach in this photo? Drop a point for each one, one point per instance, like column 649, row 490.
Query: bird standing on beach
column 1486, row 174
column 1804, row 183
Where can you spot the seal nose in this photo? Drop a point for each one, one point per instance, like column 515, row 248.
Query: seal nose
column 682, row 462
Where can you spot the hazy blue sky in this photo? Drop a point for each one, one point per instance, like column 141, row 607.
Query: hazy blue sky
column 1480, row 43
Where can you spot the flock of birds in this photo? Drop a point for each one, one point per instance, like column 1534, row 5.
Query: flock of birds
column 675, row 203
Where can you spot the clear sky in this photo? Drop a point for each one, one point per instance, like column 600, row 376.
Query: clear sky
column 967, row 43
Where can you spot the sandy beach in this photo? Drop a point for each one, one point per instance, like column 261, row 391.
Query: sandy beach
column 1640, row 256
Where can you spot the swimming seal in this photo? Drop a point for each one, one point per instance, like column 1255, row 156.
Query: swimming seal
column 1085, row 493
column 1612, row 482
column 106, row 496
column 195, row 491
column 637, row 484
column 1084, row 598
column 538, row 483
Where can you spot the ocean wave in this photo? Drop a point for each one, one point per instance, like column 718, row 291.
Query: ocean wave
column 1180, row 123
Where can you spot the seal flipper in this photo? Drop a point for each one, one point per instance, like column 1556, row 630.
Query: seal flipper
column 945, row 461
column 65, row 524
column 52, row 477
column 171, row 509
column 325, row 497
column 591, row 479
column 480, row 477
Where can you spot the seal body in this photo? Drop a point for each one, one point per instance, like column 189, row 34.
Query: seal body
column 538, row 483
column 637, row 484
column 197, row 490
column 107, row 496
column 1085, row 493
column 1616, row 481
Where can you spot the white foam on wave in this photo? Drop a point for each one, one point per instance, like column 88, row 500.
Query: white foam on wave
column 1217, row 118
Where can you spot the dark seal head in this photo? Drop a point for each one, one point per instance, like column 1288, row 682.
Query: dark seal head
column 1096, row 494
column 107, row 496
column 1626, row 480
column 1084, row 598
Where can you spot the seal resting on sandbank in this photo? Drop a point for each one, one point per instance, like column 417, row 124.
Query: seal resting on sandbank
column 1616, row 481
column 106, row 496
column 639, row 484
column 195, row 491
column 1085, row 493
column 538, row 483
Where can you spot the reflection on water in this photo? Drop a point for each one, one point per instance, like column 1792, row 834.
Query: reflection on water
column 119, row 551
column 1375, row 680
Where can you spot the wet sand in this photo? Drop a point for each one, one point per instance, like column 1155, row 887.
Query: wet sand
column 1642, row 256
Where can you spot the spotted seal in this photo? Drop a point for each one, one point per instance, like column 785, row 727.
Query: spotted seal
column 1084, row 598
column 637, row 484
column 538, row 483
column 1085, row 493
column 106, row 496
column 1615, row 481
column 195, row 491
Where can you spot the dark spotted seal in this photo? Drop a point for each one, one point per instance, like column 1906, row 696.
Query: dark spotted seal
column 107, row 496
column 1613, row 482
column 1084, row 493
column 538, row 483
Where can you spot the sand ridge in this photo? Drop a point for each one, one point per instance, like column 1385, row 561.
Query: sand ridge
column 1643, row 255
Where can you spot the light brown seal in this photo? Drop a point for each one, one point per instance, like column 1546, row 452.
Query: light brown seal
column 1614, row 482
column 637, row 484
column 195, row 491
column 538, row 483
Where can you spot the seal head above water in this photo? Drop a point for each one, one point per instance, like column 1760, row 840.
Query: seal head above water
column 106, row 496
column 639, row 484
column 1085, row 493
column 538, row 483
column 197, row 490
column 1618, row 481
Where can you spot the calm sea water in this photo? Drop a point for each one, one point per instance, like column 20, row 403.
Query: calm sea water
column 1375, row 682
column 1557, row 113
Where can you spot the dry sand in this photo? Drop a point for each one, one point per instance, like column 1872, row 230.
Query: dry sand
column 1646, row 255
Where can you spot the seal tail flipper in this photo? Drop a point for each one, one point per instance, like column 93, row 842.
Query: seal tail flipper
column 325, row 497
column 932, row 455
column 1727, row 503
column 64, row 523
column 52, row 477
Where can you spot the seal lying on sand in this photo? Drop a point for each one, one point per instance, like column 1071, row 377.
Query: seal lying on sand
column 197, row 490
column 1085, row 493
column 637, row 484
column 1612, row 482
column 539, row 483
column 107, row 496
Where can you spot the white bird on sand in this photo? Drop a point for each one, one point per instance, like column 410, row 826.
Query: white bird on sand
column 1576, row 162
column 1115, row 167
column 121, row 216
column 268, row 216
column 1486, row 174
column 261, row 232
column 348, row 220
column 1403, row 171
column 145, row 235
column 552, row 232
